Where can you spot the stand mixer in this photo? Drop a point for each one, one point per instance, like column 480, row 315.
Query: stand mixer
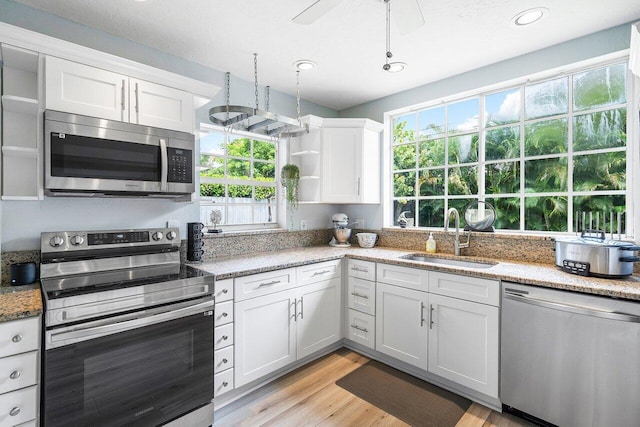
column 341, row 230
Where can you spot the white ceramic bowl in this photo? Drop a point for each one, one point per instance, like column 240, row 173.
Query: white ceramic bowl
column 367, row 240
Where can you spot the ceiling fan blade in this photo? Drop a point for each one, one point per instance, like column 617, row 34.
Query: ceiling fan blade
column 315, row 11
column 407, row 15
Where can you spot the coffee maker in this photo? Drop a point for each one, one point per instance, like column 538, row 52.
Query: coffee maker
column 341, row 230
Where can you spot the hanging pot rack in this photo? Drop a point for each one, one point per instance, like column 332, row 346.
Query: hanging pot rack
column 255, row 120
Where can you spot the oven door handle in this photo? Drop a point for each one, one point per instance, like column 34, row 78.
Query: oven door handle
column 78, row 333
column 164, row 165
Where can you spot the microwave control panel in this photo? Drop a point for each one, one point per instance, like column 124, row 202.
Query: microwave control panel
column 180, row 165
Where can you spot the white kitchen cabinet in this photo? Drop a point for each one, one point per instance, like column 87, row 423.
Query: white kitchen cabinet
column 463, row 343
column 401, row 325
column 319, row 316
column 81, row 89
column 361, row 295
column 350, row 161
column 305, row 153
column 361, row 328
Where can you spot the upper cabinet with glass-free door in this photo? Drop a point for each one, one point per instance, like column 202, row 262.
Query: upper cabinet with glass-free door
column 76, row 88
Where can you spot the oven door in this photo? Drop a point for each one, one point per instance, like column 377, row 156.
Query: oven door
column 134, row 370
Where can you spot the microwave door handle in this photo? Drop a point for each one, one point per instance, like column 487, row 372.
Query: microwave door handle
column 164, row 165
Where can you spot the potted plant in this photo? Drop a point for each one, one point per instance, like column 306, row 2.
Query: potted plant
column 290, row 177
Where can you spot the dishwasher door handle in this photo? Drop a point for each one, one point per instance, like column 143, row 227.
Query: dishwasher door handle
column 577, row 309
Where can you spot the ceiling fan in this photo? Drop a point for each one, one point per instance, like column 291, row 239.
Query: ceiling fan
column 407, row 13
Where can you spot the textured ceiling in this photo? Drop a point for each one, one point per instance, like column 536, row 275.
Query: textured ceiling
column 348, row 42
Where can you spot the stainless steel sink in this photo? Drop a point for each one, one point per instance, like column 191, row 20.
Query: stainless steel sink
column 448, row 261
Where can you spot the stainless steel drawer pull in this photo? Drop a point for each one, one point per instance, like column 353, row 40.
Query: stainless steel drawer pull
column 421, row 314
column 224, row 338
column 318, row 273
column 225, row 291
column 17, row 338
column 273, row 282
column 225, row 361
column 224, row 384
column 224, row 314
column 430, row 316
column 15, row 375
column 362, row 270
column 14, row 411
column 355, row 294
column 359, row 328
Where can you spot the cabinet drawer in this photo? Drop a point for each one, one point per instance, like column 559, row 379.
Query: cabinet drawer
column 317, row 272
column 485, row 291
column 362, row 269
column 18, row 371
column 18, row 406
column 222, row 382
column 223, row 336
column 223, row 290
column 223, row 313
column 361, row 328
column 264, row 283
column 362, row 295
column 19, row 336
column 223, row 359
column 412, row 278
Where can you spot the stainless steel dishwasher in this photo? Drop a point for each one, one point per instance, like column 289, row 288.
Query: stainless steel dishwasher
column 570, row 359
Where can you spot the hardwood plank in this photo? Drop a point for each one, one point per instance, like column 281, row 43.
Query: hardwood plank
column 475, row 416
column 360, row 413
column 497, row 419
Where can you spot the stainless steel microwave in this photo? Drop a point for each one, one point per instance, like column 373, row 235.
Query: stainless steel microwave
column 88, row 156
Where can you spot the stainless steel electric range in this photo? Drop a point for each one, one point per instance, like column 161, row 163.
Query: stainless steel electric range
column 128, row 330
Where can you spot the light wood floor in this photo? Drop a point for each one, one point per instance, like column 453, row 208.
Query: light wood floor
column 309, row 397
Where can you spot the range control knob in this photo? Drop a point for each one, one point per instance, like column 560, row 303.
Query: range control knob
column 77, row 240
column 56, row 241
column 157, row 235
column 171, row 235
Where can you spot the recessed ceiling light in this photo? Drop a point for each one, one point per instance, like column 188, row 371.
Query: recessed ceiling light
column 395, row 67
column 529, row 16
column 304, row 65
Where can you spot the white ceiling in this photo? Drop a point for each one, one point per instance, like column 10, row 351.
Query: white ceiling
column 348, row 43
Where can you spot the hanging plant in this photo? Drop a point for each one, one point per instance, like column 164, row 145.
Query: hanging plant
column 290, row 177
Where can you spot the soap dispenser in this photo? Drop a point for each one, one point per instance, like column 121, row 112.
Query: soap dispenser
column 431, row 244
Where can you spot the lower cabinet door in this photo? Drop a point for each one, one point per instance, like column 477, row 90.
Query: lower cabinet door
column 361, row 328
column 222, row 382
column 401, row 323
column 18, row 406
column 463, row 343
column 265, row 337
column 318, row 316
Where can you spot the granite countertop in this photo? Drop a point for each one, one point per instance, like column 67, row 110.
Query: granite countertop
column 520, row 272
column 17, row 302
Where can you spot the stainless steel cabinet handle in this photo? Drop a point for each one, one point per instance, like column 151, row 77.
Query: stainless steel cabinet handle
column 295, row 309
column 14, row 375
column 224, row 314
column 359, row 328
column 421, row 314
column 224, row 384
column 122, row 95
column 355, row 294
column 225, row 337
column 358, row 187
column 273, row 282
column 225, row 291
column 587, row 311
column 430, row 316
column 301, row 308
column 225, row 361
column 360, row 269
column 318, row 273
column 137, row 106
column 14, row 411
column 17, row 338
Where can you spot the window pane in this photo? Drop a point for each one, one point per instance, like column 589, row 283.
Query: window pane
column 463, row 180
column 502, row 107
column 604, row 171
column 404, row 157
column 404, row 129
column 263, row 150
column 546, row 99
column 503, row 143
column 502, row 178
column 602, row 207
column 407, row 206
column 545, row 175
column 545, row 213
column 264, row 171
column 548, row 137
column 212, row 143
column 431, row 122
column 240, row 194
column 507, row 213
column 239, row 169
column 214, row 165
column 460, row 205
column 265, row 194
column 463, row 116
column 213, row 190
column 431, row 213
column 463, row 149
column 432, row 182
column 404, row 184
column 431, row 153
column 239, row 147
column 599, row 88
column 604, row 129
column 264, row 213
column 239, row 214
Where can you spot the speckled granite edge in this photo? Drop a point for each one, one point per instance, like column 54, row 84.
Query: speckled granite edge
column 18, row 302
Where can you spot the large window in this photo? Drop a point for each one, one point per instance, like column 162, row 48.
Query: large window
column 545, row 154
column 239, row 179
